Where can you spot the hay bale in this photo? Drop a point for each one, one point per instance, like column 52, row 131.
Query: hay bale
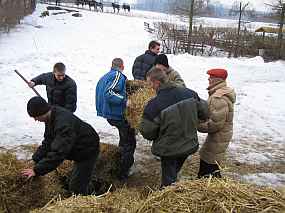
column 139, row 93
column 205, row 195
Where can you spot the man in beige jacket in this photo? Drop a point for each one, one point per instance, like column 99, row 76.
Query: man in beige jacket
column 219, row 126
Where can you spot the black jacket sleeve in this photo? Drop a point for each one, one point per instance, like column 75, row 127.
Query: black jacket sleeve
column 137, row 69
column 41, row 151
column 41, row 79
column 71, row 98
column 60, row 148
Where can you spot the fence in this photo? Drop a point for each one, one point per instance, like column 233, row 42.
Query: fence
column 212, row 41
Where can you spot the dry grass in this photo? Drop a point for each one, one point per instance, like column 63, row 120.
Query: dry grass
column 139, row 93
column 17, row 194
column 205, row 195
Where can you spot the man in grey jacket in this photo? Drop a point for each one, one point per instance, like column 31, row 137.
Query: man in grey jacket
column 170, row 120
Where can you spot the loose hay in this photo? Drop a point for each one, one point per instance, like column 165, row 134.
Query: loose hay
column 19, row 195
column 139, row 93
column 215, row 195
column 122, row 200
column 205, row 195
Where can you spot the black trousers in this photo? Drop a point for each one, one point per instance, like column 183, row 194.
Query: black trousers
column 81, row 175
column 207, row 169
column 127, row 145
column 170, row 167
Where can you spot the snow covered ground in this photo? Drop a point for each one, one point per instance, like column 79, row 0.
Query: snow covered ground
column 87, row 46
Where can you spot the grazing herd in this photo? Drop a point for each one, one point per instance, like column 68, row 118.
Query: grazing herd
column 100, row 5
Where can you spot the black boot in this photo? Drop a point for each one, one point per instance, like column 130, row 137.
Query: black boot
column 207, row 169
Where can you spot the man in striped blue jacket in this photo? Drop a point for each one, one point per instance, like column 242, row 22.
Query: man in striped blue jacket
column 111, row 101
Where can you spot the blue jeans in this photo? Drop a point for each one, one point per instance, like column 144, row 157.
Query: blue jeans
column 127, row 145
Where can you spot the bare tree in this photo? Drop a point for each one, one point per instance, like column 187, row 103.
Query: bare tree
column 238, row 8
column 278, row 7
column 189, row 8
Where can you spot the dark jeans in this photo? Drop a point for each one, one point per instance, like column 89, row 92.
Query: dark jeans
column 170, row 167
column 207, row 169
column 127, row 145
column 81, row 175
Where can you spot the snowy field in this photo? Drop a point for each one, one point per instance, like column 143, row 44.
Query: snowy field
column 87, row 46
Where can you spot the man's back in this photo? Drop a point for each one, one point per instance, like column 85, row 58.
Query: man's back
column 175, row 110
column 142, row 64
column 111, row 95
column 59, row 93
column 66, row 137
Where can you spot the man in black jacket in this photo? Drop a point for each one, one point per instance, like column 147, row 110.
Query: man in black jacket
column 170, row 120
column 65, row 137
column 61, row 89
column 145, row 62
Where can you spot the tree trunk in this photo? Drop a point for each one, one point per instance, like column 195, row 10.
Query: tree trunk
column 280, row 33
column 238, row 33
column 190, row 25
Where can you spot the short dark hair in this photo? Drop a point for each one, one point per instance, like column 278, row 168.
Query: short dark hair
column 60, row 67
column 153, row 44
column 117, row 63
column 157, row 74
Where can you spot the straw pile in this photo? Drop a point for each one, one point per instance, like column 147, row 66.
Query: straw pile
column 122, row 200
column 17, row 194
column 199, row 196
column 139, row 93
column 214, row 195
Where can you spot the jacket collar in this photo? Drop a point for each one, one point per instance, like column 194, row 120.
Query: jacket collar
column 214, row 87
column 56, row 81
column 165, row 86
column 117, row 70
column 150, row 53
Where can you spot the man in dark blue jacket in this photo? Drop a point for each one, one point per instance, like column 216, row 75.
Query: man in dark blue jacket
column 111, row 101
column 61, row 89
column 145, row 62
column 170, row 120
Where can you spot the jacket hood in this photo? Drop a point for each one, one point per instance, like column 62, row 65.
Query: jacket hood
column 166, row 85
column 169, row 70
column 221, row 89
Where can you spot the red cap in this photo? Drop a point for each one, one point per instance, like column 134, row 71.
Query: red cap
column 218, row 73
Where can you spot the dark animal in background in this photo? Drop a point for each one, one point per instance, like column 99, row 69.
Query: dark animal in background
column 116, row 6
column 92, row 4
column 78, row 2
column 100, row 5
column 126, row 7
column 95, row 4
column 57, row 2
